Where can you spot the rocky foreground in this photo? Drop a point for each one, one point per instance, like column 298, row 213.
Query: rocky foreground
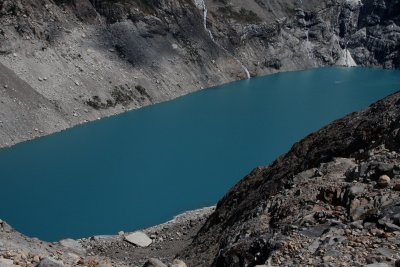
column 332, row 200
column 161, row 242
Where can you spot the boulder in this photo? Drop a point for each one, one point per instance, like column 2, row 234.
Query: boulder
column 73, row 245
column 380, row 264
column 178, row 263
column 6, row 262
column 396, row 219
column 139, row 239
column 396, row 187
column 154, row 263
column 384, row 181
column 85, row 10
column 391, row 227
column 49, row 262
column 356, row 189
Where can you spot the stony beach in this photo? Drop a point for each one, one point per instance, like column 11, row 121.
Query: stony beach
column 167, row 240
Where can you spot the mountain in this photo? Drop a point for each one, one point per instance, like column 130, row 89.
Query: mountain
column 332, row 200
column 90, row 59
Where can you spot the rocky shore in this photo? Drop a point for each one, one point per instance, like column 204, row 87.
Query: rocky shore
column 165, row 241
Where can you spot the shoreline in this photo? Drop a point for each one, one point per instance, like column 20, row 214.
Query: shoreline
column 168, row 239
column 177, row 219
column 4, row 147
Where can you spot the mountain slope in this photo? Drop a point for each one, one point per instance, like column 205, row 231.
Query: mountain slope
column 22, row 109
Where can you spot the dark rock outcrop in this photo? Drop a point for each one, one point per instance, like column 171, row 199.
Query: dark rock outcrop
column 329, row 184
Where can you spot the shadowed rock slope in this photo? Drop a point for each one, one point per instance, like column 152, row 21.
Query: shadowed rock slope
column 96, row 58
column 333, row 199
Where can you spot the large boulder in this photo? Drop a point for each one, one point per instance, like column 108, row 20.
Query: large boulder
column 73, row 245
column 139, row 239
column 178, row 263
column 50, row 262
column 154, row 263
column 85, row 10
column 6, row 262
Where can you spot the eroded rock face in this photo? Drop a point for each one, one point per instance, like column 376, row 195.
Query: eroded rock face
column 332, row 199
column 95, row 58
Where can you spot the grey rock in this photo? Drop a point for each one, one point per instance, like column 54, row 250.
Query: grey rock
column 178, row 263
column 6, row 263
column 336, row 239
column 74, row 245
column 396, row 219
column 384, row 181
column 6, row 227
column 101, row 237
column 49, row 262
column 385, row 167
column 390, row 227
column 72, row 256
column 378, row 264
column 139, row 239
column 357, row 224
column 363, row 169
column 154, row 263
column 357, row 189
column 385, row 252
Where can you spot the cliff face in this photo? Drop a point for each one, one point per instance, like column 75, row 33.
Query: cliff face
column 333, row 199
column 89, row 59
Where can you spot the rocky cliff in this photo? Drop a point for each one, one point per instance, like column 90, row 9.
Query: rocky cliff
column 332, row 200
column 81, row 60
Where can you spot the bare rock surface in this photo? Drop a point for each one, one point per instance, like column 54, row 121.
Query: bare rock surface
column 139, row 239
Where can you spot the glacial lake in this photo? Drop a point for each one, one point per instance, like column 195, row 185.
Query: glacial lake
column 143, row 167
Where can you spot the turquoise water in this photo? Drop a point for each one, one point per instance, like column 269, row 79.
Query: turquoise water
column 143, row 167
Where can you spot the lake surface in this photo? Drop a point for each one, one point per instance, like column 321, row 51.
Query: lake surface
column 143, row 167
